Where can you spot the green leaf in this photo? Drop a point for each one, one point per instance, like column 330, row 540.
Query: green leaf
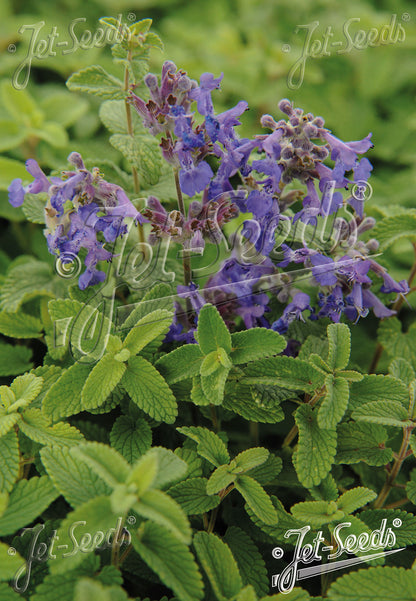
column 317, row 513
column 249, row 560
column 27, row 387
column 210, row 446
column 147, row 329
column 104, row 461
column 36, row 427
column 66, row 582
column 249, row 459
column 113, row 115
column 402, row 370
column 87, row 519
column 255, row 344
column 27, row 501
column 147, row 388
column 339, row 338
column 74, row 479
column 170, row 467
column 14, row 359
column 63, row 107
column 268, row 471
column 25, row 281
column 64, row 397
column 132, row 438
column 375, row 387
column 181, row 364
column 210, row 363
column 143, row 473
column 159, row 507
column 213, row 385
column 389, row 230
column 387, row 413
column 257, row 499
column 296, row 594
column 219, row 565
column 395, row 342
column 20, row 325
column 192, row 496
column 257, row 402
column 170, row 559
column 335, row 402
column 142, row 152
column 158, row 297
column 316, row 448
column 9, row 459
column 7, row 421
column 362, row 442
column 405, row 533
column 287, row 372
column 95, row 80
column 10, row 170
column 373, row 584
column 101, row 382
column 197, row 394
column 9, row 564
column 313, row 345
column 212, row 332
column 355, row 498
column 220, row 479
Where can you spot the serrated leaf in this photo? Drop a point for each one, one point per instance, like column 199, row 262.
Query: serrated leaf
column 249, row 459
column 219, row 565
column 65, row 583
column 113, row 115
column 101, row 382
column 180, row 364
column 267, row 471
column 27, row 501
column 132, row 438
column 95, row 80
column 283, row 371
column 27, row 387
column 25, row 281
column 149, row 391
column 390, row 229
column 142, row 152
column 170, row 467
column 192, row 496
column 375, row 387
column 256, row 498
column 9, row 563
column 362, row 442
column 335, row 402
column 7, row 421
column 143, row 473
column 387, row 413
column 395, row 342
column 258, row 402
column 249, row 560
column 104, row 461
column 74, row 479
column 9, row 459
column 402, row 370
column 37, row 427
column 170, row 559
column 64, row 397
column 213, row 385
column 255, row 344
column 212, row 332
column 14, row 359
column 339, row 339
column 313, row 345
column 159, row 507
column 317, row 513
column 316, row 448
column 404, row 529
column 355, row 498
column 373, row 584
column 219, row 479
column 20, row 325
column 147, row 329
column 210, row 446
column 93, row 516
column 197, row 394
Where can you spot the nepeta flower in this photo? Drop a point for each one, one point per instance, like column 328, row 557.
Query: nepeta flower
column 300, row 303
column 40, row 184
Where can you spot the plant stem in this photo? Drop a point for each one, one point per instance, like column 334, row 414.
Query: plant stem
column 214, row 513
column 396, row 307
column 384, row 493
column 396, row 504
column 186, row 259
column 214, row 418
column 130, row 131
column 254, row 433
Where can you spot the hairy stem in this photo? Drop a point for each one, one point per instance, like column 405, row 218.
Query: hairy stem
column 388, row 485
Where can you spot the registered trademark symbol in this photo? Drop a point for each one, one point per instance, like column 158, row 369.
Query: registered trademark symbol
column 131, row 17
column 11, row 48
column 405, row 17
column 286, row 48
column 397, row 522
column 362, row 190
column 131, row 520
column 277, row 553
column 11, row 551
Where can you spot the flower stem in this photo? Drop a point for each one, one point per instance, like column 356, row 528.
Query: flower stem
column 388, row 485
column 186, row 259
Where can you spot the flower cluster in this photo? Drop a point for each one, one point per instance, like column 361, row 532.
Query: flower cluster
column 83, row 211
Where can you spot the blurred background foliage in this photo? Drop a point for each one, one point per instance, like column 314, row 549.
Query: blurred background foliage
column 254, row 43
